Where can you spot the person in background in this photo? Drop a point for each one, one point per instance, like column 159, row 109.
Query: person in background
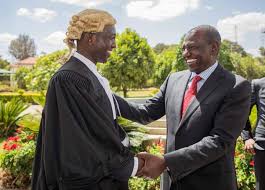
column 255, row 142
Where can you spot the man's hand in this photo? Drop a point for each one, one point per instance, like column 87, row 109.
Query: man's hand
column 141, row 164
column 249, row 146
column 153, row 165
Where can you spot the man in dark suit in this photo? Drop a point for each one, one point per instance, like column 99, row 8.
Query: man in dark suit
column 255, row 143
column 206, row 108
column 80, row 145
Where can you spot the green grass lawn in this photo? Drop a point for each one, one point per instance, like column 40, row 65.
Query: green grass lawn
column 141, row 93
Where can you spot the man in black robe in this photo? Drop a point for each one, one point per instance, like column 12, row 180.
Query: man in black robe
column 80, row 145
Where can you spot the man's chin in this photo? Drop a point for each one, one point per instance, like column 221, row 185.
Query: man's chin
column 103, row 60
column 191, row 69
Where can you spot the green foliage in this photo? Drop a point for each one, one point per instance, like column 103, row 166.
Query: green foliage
column 22, row 47
column 20, row 75
column 130, row 64
column 253, row 116
column 224, row 57
column 160, row 47
column 247, row 66
column 244, row 167
column 144, row 184
column 10, row 113
column 5, row 88
column 17, row 158
column 234, row 47
column 170, row 60
column 135, row 132
column 262, row 51
column 25, row 97
column 40, row 100
column 244, row 161
column 4, row 64
column 19, row 161
column 45, row 67
column 180, row 62
column 30, row 123
column 164, row 65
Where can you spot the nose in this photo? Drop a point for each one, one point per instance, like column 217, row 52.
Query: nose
column 185, row 53
column 113, row 45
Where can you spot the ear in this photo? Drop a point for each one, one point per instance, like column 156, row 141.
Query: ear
column 93, row 39
column 90, row 38
column 215, row 48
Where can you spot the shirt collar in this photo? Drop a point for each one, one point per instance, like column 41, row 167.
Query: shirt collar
column 92, row 66
column 206, row 73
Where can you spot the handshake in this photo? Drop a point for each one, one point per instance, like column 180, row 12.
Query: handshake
column 150, row 166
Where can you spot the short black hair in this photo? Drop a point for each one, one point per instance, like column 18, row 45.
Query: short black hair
column 210, row 33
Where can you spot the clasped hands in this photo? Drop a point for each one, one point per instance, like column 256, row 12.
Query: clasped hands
column 150, row 166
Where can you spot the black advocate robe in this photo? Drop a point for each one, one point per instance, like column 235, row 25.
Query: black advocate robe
column 79, row 145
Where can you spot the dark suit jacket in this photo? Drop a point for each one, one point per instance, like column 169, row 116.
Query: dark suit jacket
column 79, row 145
column 200, row 145
column 258, row 99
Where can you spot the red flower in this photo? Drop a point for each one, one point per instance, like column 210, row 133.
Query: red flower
column 30, row 137
column 5, row 146
column 13, row 146
column 10, row 143
column 251, row 163
column 15, row 139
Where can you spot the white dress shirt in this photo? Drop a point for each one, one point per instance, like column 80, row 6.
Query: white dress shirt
column 204, row 75
column 105, row 84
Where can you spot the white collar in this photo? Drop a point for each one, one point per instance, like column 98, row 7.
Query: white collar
column 92, row 66
column 206, row 73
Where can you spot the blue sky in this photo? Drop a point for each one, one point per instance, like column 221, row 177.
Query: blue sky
column 160, row 21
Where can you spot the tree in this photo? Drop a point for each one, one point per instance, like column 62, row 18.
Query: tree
column 234, row 47
column 20, row 77
column 180, row 63
column 22, row 47
column 165, row 62
column 160, row 47
column 131, row 63
column 4, row 64
column 262, row 51
column 247, row 66
column 170, row 60
column 224, row 57
column 45, row 67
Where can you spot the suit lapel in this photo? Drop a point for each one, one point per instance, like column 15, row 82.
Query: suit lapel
column 209, row 86
column 179, row 87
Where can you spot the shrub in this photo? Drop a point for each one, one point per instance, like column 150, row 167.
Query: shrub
column 30, row 123
column 10, row 113
column 42, row 71
column 20, row 75
column 144, row 184
column 244, row 167
column 135, row 132
column 16, row 159
column 27, row 97
column 5, row 88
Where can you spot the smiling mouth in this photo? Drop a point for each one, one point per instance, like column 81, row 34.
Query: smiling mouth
column 108, row 53
column 191, row 61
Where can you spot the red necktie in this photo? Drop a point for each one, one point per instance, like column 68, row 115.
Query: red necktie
column 190, row 93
